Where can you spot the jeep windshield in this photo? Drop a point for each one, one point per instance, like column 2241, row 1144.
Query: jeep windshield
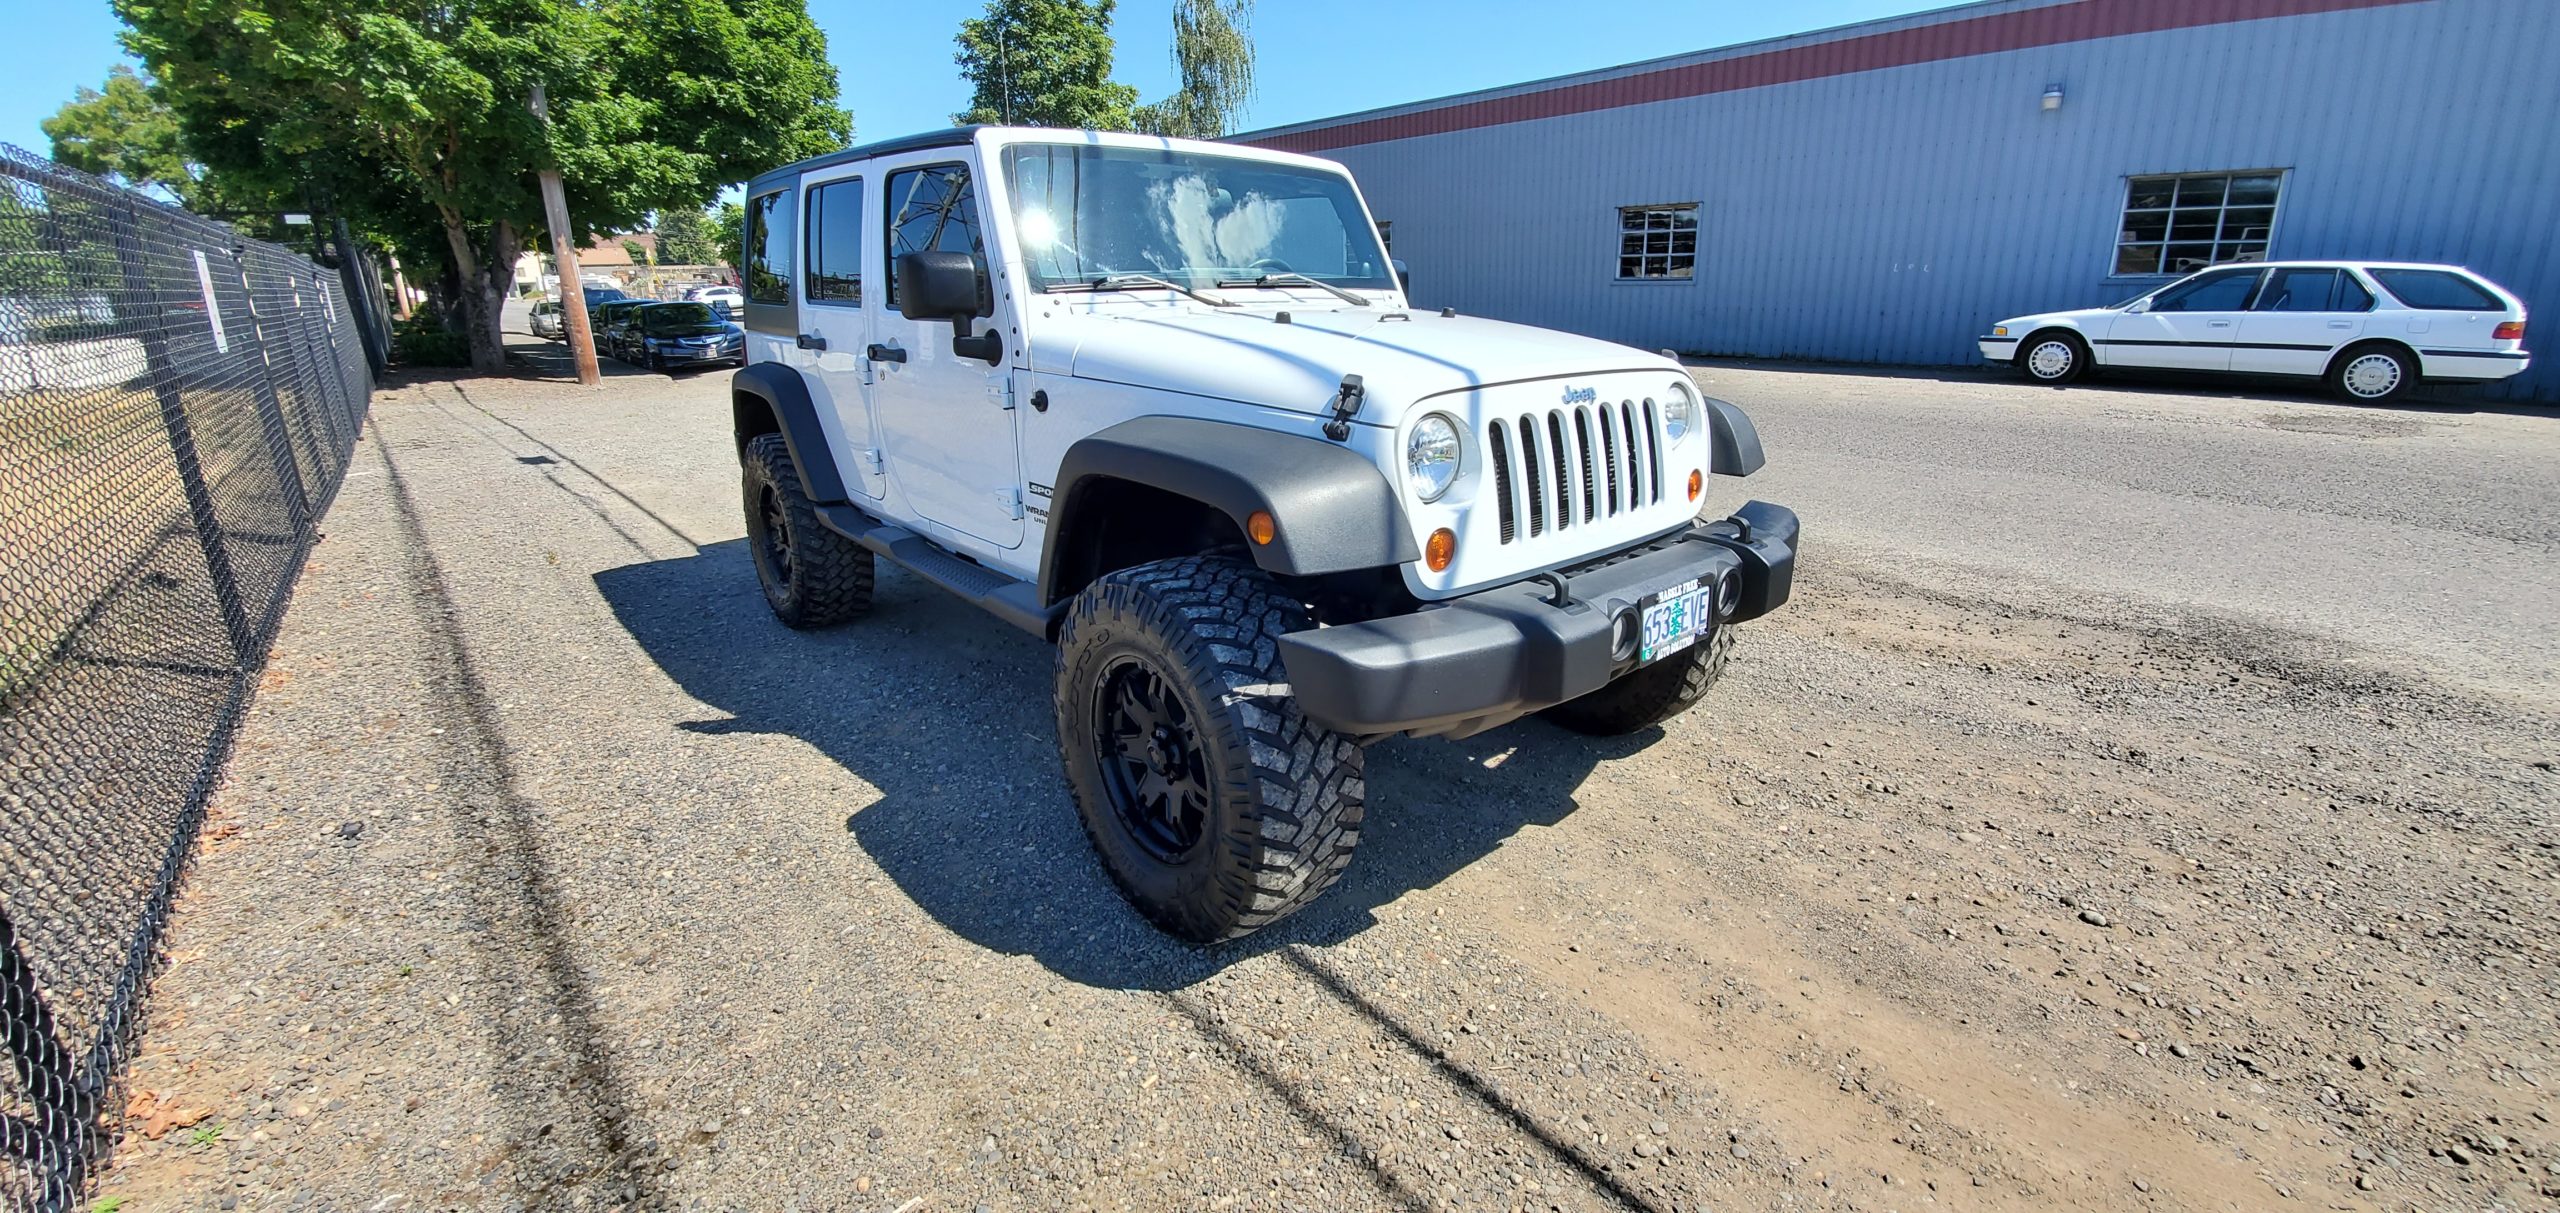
column 1106, row 218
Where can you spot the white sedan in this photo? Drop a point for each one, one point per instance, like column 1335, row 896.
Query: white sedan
column 2372, row 329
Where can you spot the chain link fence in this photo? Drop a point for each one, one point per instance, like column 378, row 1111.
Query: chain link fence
column 177, row 407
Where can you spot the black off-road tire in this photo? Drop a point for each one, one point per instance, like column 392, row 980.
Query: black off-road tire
column 1281, row 796
column 812, row 576
column 1650, row 695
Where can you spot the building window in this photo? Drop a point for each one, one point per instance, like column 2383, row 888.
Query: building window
column 1658, row 241
column 835, row 242
column 768, row 249
column 2177, row 225
column 1387, row 234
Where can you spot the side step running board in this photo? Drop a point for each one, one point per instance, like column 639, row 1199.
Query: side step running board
column 1015, row 602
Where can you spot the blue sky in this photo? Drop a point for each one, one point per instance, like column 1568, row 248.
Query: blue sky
column 1316, row 57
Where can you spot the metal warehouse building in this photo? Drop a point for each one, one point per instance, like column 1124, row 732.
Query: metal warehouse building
column 1882, row 192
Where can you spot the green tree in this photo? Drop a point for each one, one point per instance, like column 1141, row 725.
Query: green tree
column 1213, row 62
column 684, row 237
column 1043, row 63
column 415, row 116
column 729, row 231
column 126, row 133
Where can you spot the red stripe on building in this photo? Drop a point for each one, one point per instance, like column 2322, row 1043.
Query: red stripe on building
column 1992, row 33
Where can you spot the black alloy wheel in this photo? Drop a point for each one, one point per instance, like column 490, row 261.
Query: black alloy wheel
column 1153, row 767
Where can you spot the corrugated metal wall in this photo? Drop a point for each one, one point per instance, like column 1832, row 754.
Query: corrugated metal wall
column 1889, row 215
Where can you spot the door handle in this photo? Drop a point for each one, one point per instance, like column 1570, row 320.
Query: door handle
column 812, row 341
column 2342, row 324
column 885, row 353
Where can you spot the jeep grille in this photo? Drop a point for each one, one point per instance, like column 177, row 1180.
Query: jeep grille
column 1574, row 465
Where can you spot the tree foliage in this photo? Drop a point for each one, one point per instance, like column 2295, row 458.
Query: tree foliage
column 416, row 116
column 1213, row 67
column 1044, row 63
column 729, row 231
column 127, row 134
column 684, row 237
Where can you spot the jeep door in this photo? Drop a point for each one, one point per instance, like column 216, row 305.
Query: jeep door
column 944, row 419
column 832, row 312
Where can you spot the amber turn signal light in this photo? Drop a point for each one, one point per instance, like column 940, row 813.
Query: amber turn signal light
column 1260, row 526
column 1442, row 548
column 1696, row 482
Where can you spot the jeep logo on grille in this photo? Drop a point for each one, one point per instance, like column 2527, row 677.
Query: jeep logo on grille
column 1580, row 395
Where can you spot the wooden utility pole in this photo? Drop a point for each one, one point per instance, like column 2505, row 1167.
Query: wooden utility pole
column 564, row 253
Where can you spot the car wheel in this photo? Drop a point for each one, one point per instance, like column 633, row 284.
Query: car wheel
column 2054, row 357
column 1216, row 807
column 1646, row 697
column 812, row 576
column 2373, row 374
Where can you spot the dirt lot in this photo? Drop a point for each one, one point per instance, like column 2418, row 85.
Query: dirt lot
column 2133, row 811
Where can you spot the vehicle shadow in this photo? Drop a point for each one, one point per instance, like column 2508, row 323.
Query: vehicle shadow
column 947, row 714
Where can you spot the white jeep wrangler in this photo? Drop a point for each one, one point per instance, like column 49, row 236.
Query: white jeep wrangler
column 1164, row 402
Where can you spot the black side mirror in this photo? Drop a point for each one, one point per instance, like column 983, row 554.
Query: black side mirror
column 953, row 287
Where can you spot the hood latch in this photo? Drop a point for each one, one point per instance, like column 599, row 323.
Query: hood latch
column 1346, row 405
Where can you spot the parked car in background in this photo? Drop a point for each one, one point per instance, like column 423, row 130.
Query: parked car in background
column 2371, row 329
column 670, row 335
column 727, row 299
column 549, row 321
column 606, row 322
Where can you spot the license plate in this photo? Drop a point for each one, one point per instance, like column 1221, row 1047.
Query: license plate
column 1672, row 620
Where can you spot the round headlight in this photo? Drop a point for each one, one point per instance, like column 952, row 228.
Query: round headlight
column 1431, row 455
column 1679, row 413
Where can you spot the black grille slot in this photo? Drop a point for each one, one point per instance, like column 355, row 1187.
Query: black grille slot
column 1653, row 444
column 1635, row 453
column 1499, row 451
column 1609, row 461
column 1529, row 473
column 1560, row 455
column 1590, row 474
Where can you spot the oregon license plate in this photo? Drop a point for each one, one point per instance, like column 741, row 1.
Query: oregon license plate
column 1672, row 620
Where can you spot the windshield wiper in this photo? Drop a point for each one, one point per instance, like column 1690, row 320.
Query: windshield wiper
column 1294, row 278
column 1122, row 282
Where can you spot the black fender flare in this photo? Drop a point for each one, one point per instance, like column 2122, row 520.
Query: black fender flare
column 1333, row 510
column 1733, row 443
column 767, row 397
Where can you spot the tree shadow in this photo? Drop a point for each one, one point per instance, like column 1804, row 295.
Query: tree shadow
column 947, row 713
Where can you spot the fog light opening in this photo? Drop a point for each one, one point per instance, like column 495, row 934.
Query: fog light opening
column 1728, row 596
column 1622, row 636
column 1442, row 548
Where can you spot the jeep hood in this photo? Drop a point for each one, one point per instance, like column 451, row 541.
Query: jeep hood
column 1245, row 354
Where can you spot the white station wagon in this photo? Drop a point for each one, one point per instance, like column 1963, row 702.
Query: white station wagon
column 2372, row 329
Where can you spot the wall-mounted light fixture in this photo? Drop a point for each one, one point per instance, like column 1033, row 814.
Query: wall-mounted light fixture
column 2052, row 97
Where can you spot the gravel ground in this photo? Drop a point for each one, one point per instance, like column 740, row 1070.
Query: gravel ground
column 2098, row 866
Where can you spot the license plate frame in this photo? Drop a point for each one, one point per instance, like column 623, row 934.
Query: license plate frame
column 1671, row 619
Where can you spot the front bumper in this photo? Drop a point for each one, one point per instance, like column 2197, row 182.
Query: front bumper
column 1468, row 664
column 1998, row 349
column 685, row 355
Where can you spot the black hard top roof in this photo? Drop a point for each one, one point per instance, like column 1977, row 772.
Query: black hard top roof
column 957, row 136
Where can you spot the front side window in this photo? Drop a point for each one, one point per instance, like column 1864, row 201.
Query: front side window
column 2437, row 291
column 1201, row 220
column 2181, row 224
column 2227, row 291
column 768, row 250
column 835, row 242
column 2291, row 290
column 1658, row 241
column 931, row 210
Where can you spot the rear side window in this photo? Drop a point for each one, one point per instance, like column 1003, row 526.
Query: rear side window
column 931, row 210
column 768, row 250
column 2352, row 297
column 2227, row 291
column 2298, row 291
column 2437, row 291
column 835, row 242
